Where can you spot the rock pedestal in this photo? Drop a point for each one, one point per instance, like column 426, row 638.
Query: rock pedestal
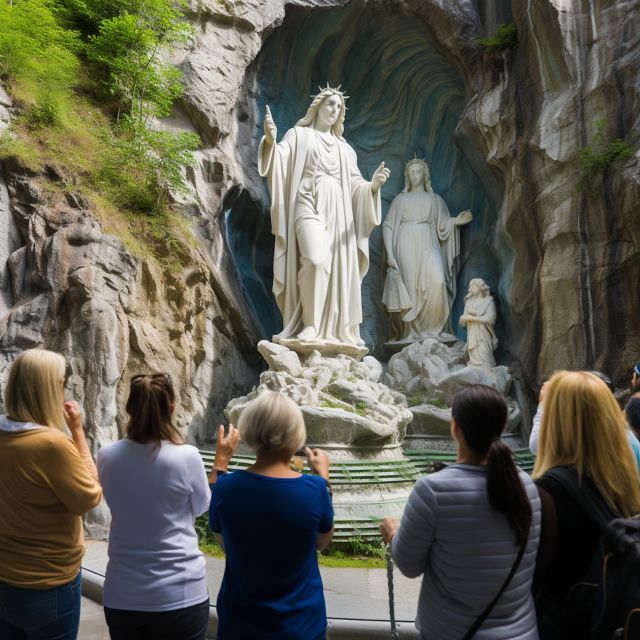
column 430, row 373
column 357, row 420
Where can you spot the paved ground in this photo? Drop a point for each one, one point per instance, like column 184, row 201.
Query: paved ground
column 92, row 624
column 349, row 593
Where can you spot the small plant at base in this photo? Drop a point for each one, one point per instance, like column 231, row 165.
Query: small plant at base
column 436, row 402
column 335, row 404
column 506, row 38
column 361, row 408
column 598, row 159
column 416, row 398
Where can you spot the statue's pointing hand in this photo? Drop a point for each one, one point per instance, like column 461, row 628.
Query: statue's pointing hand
column 380, row 176
column 270, row 129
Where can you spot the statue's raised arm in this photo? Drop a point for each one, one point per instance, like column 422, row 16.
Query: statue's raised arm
column 269, row 126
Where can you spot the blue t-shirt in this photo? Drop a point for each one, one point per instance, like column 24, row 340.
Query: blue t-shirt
column 271, row 588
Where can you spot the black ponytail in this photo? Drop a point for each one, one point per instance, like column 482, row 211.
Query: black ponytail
column 481, row 414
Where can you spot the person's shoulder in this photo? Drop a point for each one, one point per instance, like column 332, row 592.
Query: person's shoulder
column 113, row 449
column 313, row 480
column 48, row 436
column 185, row 451
column 454, row 479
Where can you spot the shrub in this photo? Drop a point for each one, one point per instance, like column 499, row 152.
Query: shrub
column 506, row 38
column 38, row 61
column 603, row 155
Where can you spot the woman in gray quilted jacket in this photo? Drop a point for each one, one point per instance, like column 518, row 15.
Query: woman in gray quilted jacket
column 472, row 530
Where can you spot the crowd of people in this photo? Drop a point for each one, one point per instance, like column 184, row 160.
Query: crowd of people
column 498, row 551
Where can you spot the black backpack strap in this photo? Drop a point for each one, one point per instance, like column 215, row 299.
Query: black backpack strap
column 585, row 494
column 483, row 616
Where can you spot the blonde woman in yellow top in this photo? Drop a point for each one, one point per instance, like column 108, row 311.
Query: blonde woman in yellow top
column 583, row 441
column 47, row 481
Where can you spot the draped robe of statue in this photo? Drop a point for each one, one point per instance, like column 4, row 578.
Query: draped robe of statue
column 426, row 245
column 481, row 337
column 318, row 192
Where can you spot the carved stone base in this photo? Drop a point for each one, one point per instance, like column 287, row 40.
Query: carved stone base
column 323, row 347
column 398, row 345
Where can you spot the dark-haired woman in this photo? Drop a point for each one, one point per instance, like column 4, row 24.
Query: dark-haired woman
column 155, row 486
column 472, row 529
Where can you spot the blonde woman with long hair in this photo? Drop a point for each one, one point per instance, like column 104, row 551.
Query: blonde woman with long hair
column 583, row 439
column 47, row 481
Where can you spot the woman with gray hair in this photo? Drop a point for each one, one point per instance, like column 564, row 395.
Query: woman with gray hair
column 271, row 520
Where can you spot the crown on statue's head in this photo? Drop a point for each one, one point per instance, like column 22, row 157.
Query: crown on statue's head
column 330, row 91
column 419, row 161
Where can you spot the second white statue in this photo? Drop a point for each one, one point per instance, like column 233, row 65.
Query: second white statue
column 422, row 242
column 322, row 213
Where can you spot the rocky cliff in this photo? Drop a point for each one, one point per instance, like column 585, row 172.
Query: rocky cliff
column 502, row 132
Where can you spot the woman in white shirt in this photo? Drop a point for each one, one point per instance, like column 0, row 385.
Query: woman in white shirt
column 156, row 486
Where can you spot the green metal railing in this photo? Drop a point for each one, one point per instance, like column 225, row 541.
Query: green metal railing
column 357, row 474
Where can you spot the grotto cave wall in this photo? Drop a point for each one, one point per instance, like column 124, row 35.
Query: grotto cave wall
column 564, row 262
column 405, row 98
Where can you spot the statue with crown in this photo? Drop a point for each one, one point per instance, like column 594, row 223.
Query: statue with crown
column 422, row 243
column 322, row 213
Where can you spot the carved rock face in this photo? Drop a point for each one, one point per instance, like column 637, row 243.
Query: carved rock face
column 563, row 264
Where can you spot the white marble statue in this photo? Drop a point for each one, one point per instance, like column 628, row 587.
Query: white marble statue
column 422, row 242
column 479, row 317
column 322, row 213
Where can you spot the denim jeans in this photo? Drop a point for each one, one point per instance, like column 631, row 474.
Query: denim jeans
column 40, row 614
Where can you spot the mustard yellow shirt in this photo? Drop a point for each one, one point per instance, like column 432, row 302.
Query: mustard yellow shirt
column 45, row 487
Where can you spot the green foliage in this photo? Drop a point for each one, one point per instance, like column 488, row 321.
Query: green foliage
column 327, row 403
column 358, row 553
column 361, row 408
column 506, row 38
column 418, row 397
column 603, row 155
column 38, row 61
column 58, row 55
column 205, row 535
column 128, row 49
column 141, row 165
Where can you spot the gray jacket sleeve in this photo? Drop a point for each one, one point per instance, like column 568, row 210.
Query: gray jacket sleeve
column 413, row 540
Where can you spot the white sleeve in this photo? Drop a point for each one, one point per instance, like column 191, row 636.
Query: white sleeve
column 198, row 484
column 535, row 430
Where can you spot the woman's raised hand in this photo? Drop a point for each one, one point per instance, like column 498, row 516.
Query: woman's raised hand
column 388, row 528
column 72, row 416
column 318, row 461
column 225, row 447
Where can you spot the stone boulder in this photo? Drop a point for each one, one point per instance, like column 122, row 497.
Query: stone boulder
column 341, row 399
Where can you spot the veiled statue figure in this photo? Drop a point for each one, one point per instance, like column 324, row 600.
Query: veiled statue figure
column 479, row 317
column 322, row 213
column 422, row 242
